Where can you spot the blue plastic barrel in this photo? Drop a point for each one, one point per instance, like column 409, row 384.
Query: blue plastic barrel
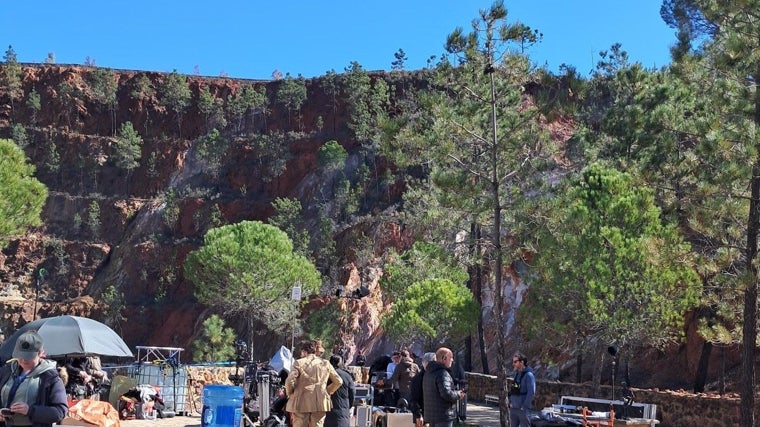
column 222, row 406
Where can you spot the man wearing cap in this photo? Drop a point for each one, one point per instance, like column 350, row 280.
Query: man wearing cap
column 30, row 386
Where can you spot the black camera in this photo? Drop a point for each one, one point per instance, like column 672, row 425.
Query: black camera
column 241, row 347
column 513, row 389
column 236, row 379
column 241, row 352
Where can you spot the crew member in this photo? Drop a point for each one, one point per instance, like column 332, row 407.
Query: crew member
column 30, row 386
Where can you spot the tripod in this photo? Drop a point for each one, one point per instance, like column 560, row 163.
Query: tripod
column 191, row 395
column 237, row 380
column 247, row 420
column 241, row 348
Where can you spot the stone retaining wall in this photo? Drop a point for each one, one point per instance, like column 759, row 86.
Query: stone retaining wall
column 674, row 409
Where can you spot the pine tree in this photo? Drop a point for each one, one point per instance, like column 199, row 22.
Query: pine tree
column 127, row 149
column 212, row 109
column 104, row 84
column 176, row 96
column 291, row 95
column 12, row 77
column 608, row 269
column 22, row 195
column 330, row 84
column 33, row 103
column 725, row 68
column 248, row 269
column 480, row 144
column 144, row 92
column 216, row 343
column 367, row 101
column 398, row 63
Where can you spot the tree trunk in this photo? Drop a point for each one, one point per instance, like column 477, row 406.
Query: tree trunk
column 476, row 276
column 474, row 287
column 467, row 365
column 579, row 360
column 722, row 382
column 498, row 283
column 704, row 361
column 749, row 326
column 598, row 367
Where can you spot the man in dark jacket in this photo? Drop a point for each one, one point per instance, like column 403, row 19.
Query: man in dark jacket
column 343, row 398
column 521, row 392
column 438, row 394
column 416, row 403
column 30, row 386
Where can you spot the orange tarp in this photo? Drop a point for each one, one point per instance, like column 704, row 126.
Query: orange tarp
column 95, row 412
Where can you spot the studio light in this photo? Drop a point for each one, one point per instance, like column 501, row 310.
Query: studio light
column 361, row 292
column 613, row 350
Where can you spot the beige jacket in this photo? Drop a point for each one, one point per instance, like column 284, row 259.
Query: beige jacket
column 307, row 387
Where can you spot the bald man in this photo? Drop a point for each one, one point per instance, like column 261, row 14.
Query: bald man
column 439, row 397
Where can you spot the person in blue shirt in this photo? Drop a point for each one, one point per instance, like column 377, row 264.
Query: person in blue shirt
column 521, row 392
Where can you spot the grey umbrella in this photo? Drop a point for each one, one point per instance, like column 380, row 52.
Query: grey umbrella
column 71, row 335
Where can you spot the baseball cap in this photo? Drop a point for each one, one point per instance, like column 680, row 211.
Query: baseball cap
column 28, row 345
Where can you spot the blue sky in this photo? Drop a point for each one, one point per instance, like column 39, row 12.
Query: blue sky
column 253, row 38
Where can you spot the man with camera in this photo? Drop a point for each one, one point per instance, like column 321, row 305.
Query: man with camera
column 521, row 392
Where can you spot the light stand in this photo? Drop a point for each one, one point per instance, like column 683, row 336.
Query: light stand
column 295, row 296
column 613, row 350
column 241, row 355
column 40, row 276
column 627, row 399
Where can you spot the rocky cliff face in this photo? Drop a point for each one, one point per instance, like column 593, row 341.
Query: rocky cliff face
column 109, row 228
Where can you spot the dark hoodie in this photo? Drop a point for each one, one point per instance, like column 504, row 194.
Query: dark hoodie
column 49, row 406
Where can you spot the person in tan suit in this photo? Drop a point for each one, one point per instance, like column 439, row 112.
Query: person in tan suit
column 307, row 389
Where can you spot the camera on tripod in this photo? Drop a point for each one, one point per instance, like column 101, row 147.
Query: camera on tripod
column 241, row 359
column 241, row 350
column 236, row 379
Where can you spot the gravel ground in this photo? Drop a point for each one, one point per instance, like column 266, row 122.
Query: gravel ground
column 477, row 415
column 178, row 421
